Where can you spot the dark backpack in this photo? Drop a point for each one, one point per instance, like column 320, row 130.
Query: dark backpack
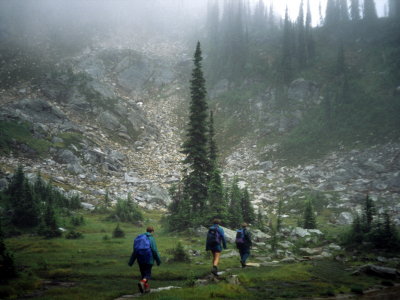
column 213, row 237
column 142, row 247
column 240, row 238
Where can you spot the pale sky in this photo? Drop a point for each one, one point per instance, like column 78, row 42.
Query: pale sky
column 293, row 7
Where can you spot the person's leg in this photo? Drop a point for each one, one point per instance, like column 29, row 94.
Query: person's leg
column 245, row 255
column 216, row 256
column 147, row 277
column 143, row 281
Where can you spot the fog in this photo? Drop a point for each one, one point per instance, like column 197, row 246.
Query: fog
column 33, row 22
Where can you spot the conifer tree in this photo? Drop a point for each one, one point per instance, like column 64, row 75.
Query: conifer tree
column 370, row 14
column 217, row 204
column 309, row 216
column 195, row 145
column 301, row 37
column 286, row 59
column 260, row 219
column 343, row 11
column 368, row 216
column 310, row 44
column 355, row 10
column 279, row 216
column 49, row 225
column 235, row 209
column 7, row 265
column 247, row 207
column 332, row 15
column 212, row 145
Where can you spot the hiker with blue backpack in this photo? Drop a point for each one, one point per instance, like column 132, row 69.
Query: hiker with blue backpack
column 215, row 242
column 145, row 252
column 243, row 243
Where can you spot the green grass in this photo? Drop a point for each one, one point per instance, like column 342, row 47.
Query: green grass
column 20, row 133
column 97, row 268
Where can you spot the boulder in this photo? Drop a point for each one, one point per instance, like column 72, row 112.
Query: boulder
column 374, row 270
column 230, row 235
column 300, row 232
column 259, row 236
column 345, row 218
column 65, row 156
column 87, row 206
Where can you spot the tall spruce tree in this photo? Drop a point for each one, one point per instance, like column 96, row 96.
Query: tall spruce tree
column 309, row 216
column 195, row 146
column 286, row 68
column 332, row 15
column 218, row 207
column 247, row 207
column 24, row 204
column 235, row 208
column 343, row 11
column 355, row 10
column 368, row 215
column 370, row 14
column 310, row 43
column 301, row 38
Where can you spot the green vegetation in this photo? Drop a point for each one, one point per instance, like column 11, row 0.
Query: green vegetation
column 34, row 207
column 15, row 133
column 354, row 62
column 373, row 231
column 94, row 267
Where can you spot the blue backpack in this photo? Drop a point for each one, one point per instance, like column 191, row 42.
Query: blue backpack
column 240, row 237
column 142, row 247
column 213, row 237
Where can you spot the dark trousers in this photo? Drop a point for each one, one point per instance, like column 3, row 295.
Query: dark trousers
column 244, row 254
column 145, row 270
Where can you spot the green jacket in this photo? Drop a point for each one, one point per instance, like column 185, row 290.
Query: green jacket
column 154, row 250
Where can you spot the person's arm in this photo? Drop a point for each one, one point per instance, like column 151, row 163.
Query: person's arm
column 132, row 258
column 154, row 250
column 249, row 238
column 222, row 237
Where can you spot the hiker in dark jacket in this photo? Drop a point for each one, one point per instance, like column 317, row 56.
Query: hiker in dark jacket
column 243, row 243
column 215, row 242
column 145, row 252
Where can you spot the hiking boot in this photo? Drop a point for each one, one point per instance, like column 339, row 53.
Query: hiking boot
column 147, row 287
column 214, row 270
column 243, row 264
column 142, row 286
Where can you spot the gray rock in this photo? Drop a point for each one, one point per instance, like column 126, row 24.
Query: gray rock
column 230, row 235
column 75, row 168
column 345, row 218
column 259, row 236
column 65, row 156
column 3, row 184
column 384, row 272
column 300, row 232
column 159, row 195
column 109, row 121
column 87, row 206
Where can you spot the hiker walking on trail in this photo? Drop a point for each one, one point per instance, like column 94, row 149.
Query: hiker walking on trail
column 145, row 252
column 215, row 242
column 243, row 243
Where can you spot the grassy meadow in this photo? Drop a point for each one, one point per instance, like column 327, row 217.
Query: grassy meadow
column 95, row 267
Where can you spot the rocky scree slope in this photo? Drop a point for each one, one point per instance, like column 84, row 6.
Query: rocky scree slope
column 108, row 120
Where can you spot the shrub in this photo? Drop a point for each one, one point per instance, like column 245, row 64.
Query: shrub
column 77, row 220
column 72, row 235
column 126, row 211
column 179, row 254
column 118, row 232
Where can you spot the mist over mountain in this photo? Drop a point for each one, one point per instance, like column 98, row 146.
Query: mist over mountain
column 95, row 97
